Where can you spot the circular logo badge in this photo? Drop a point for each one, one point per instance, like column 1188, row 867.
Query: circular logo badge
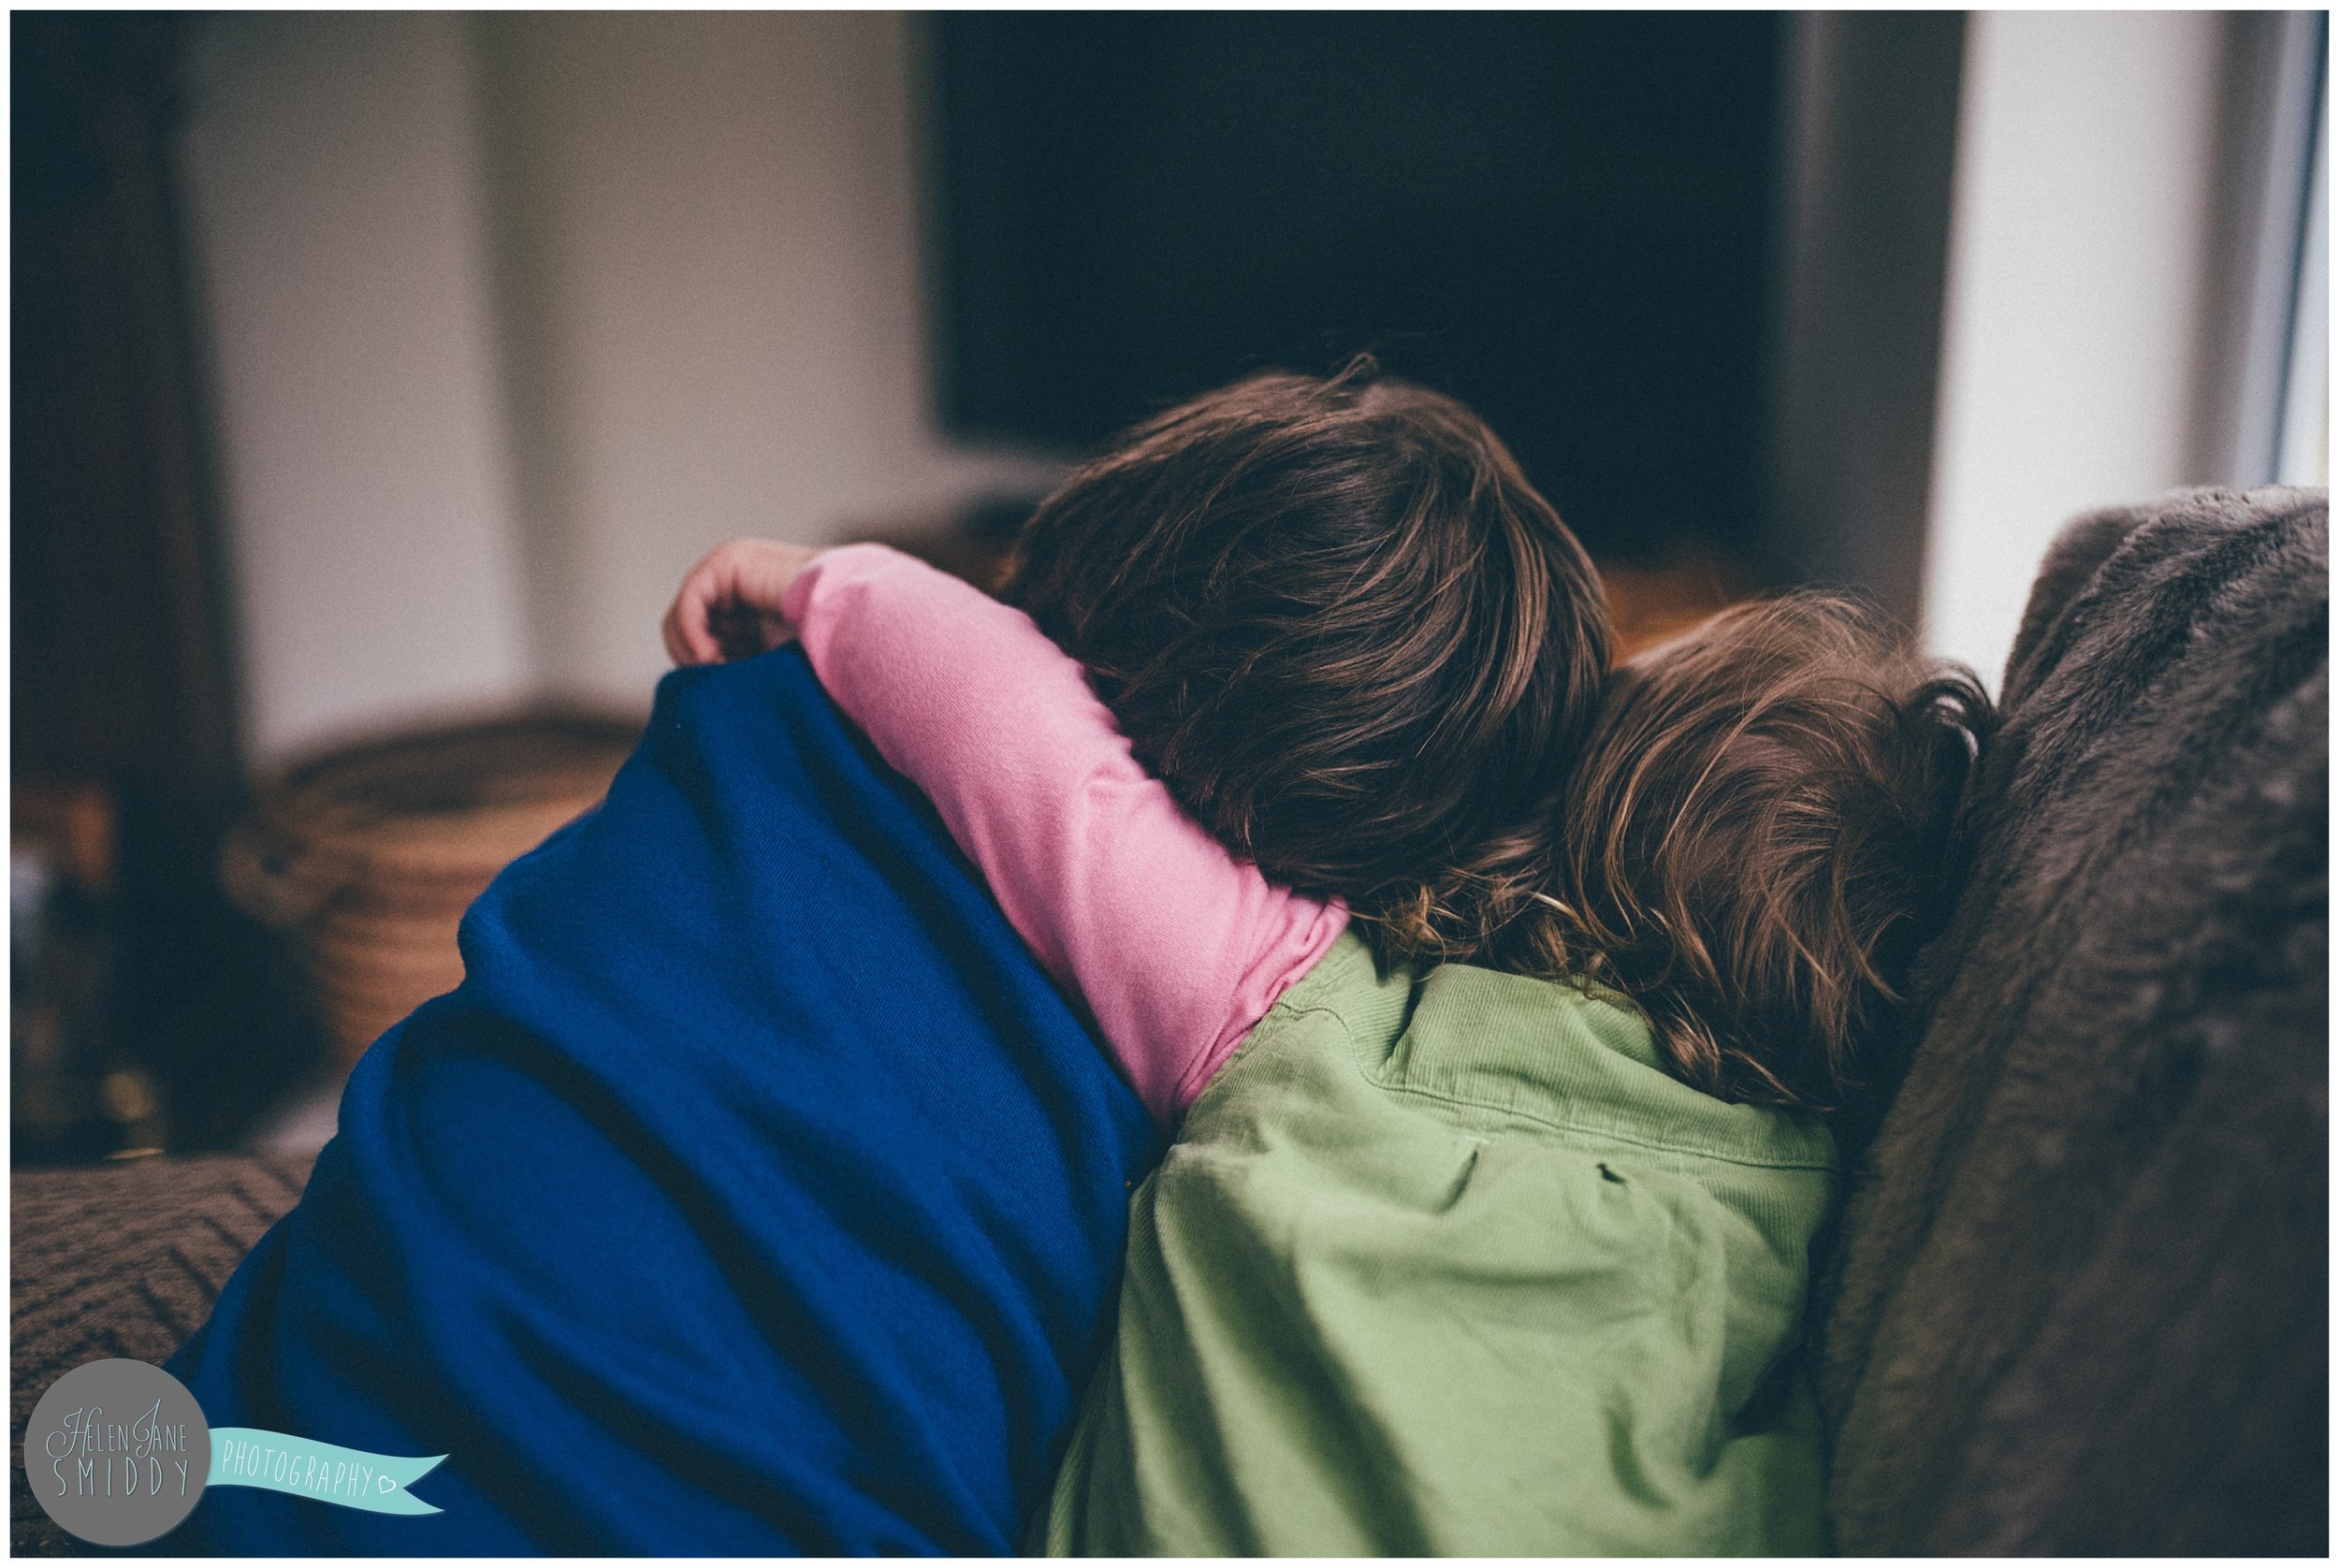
column 118, row 1452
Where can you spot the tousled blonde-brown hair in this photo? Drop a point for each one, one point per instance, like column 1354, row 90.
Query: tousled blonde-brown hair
column 1763, row 831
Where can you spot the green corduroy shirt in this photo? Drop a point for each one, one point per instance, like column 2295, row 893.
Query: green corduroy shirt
column 1444, row 1262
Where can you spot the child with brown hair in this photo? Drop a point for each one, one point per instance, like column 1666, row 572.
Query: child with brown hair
column 1501, row 1255
column 1329, row 615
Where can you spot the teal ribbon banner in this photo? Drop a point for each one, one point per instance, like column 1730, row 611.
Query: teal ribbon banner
column 248, row 1457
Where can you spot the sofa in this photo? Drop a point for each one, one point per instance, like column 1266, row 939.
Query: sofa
column 2076, row 1302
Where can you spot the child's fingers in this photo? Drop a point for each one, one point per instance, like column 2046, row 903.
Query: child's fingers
column 736, row 629
column 688, row 637
column 677, row 640
column 680, row 643
column 728, row 606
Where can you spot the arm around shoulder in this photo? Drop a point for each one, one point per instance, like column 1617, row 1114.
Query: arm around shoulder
column 1176, row 947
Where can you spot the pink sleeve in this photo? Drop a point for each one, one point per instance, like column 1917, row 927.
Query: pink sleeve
column 1177, row 948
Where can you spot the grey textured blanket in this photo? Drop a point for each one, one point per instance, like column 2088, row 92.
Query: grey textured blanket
column 2081, row 1301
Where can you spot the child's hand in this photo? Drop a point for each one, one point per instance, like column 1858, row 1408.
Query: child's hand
column 729, row 606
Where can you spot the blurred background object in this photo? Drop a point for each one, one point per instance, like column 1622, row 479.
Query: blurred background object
column 376, row 376
column 366, row 858
column 142, row 1011
column 61, row 969
column 1566, row 214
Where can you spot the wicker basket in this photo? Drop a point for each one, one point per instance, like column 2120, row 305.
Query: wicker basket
column 366, row 858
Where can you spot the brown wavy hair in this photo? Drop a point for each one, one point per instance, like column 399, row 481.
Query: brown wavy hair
column 1763, row 830
column 1333, row 616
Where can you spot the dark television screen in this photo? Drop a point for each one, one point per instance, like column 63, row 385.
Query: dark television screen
column 1560, row 218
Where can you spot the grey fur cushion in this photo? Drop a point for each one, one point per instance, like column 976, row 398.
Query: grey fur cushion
column 2081, row 1303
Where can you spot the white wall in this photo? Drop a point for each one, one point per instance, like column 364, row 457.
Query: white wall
column 713, row 303
column 2078, row 241
column 331, row 170
column 513, row 317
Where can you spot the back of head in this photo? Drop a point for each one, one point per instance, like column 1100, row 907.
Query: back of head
column 1760, row 838
column 1333, row 616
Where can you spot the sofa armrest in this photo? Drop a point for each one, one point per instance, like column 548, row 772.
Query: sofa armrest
column 122, row 1261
